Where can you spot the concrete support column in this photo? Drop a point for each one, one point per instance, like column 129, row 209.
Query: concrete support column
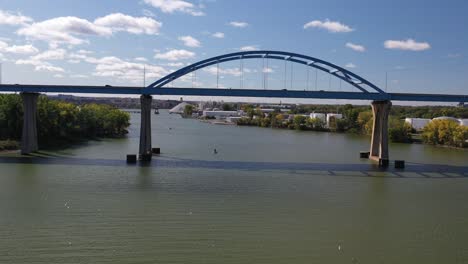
column 145, row 126
column 375, row 140
column 29, row 137
column 379, row 141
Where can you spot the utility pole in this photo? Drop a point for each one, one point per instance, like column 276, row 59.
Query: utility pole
column 386, row 80
column 144, row 75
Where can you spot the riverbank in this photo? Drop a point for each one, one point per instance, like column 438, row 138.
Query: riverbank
column 60, row 124
column 9, row 145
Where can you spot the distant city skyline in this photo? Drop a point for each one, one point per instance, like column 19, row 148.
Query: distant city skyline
column 416, row 46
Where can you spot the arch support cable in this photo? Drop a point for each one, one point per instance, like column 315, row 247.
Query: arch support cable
column 327, row 67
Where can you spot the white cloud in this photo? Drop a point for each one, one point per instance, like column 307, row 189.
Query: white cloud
column 125, row 70
column 267, row 70
column 227, row 71
column 355, row 47
column 148, row 13
column 48, row 68
column 330, row 26
column 141, row 59
column 103, row 60
column 239, row 24
column 219, row 35
column 408, row 44
column 22, row 49
column 454, row 55
column 40, row 61
column 28, row 62
column 40, row 65
column 175, row 64
column 135, row 25
column 63, row 30
column 82, row 51
column 190, row 41
column 71, row 30
column 56, row 54
column 350, row 65
column 58, row 75
column 7, row 18
column 174, row 55
column 171, row 6
column 79, row 76
column 249, row 48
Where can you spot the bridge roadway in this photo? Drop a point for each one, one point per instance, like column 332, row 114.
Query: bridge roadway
column 372, row 96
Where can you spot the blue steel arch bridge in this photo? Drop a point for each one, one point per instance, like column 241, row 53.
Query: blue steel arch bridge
column 364, row 90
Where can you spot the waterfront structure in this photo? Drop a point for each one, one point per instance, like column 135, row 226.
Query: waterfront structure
column 381, row 101
column 219, row 114
column 417, row 123
column 271, row 110
column 320, row 116
column 178, row 109
column 447, row 118
column 332, row 116
column 233, row 119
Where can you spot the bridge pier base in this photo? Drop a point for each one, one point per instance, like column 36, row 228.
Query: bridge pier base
column 29, row 142
column 379, row 141
column 145, row 126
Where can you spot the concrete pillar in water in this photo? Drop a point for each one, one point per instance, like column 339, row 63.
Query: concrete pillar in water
column 379, row 141
column 29, row 137
column 145, row 126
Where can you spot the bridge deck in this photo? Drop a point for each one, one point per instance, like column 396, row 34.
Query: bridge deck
column 232, row 93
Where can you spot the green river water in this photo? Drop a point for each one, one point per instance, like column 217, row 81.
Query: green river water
column 268, row 196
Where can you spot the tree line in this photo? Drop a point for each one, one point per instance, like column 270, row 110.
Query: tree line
column 59, row 121
column 359, row 120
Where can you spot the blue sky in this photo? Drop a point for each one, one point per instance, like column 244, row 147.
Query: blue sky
column 421, row 45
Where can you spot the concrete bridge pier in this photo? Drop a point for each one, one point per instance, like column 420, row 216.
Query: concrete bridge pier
column 29, row 137
column 145, row 126
column 379, row 141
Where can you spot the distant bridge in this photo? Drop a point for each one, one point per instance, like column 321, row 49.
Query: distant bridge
column 366, row 90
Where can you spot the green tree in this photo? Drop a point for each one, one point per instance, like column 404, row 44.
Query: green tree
column 365, row 121
column 228, row 107
column 299, row 122
column 59, row 121
column 460, row 137
column 445, row 132
column 316, row 124
column 188, row 110
column 11, row 116
column 399, row 131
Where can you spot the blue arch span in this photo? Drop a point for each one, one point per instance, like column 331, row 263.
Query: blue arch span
column 330, row 68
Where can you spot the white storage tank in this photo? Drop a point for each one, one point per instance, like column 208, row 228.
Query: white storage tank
column 320, row 116
column 417, row 123
column 463, row 122
column 446, row 118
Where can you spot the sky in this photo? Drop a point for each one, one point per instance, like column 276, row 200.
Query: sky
column 401, row 46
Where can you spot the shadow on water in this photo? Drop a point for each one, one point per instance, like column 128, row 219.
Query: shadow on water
column 365, row 170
